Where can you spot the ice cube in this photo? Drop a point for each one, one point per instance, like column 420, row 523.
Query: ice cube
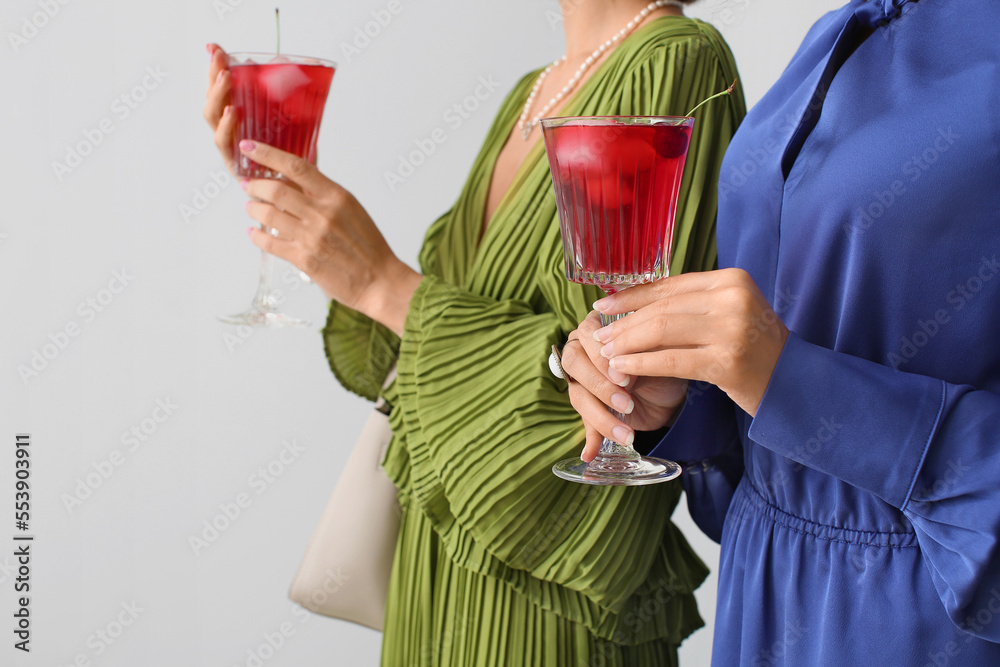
column 280, row 59
column 282, row 80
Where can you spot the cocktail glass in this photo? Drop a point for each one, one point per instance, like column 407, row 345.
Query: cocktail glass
column 617, row 180
column 278, row 100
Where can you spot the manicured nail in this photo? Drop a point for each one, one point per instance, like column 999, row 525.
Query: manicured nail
column 608, row 350
column 226, row 110
column 601, row 304
column 211, row 51
column 623, row 436
column 615, row 363
column 244, row 183
column 218, row 77
column 246, row 205
column 618, row 378
column 248, row 146
column 622, row 403
column 250, row 232
column 602, row 335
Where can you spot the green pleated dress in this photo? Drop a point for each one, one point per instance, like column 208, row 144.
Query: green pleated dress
column 498, row 561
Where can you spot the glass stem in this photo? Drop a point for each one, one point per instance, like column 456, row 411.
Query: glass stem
column 264, row 300
column 611, row 452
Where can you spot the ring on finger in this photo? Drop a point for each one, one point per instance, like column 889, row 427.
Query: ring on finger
column 555, row 365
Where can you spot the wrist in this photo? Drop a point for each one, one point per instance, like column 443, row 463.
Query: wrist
column 389, row 298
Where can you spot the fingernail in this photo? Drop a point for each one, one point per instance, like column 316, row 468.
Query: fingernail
column 208, row 47
column 249, row 231
column 622, row 403
column 226, row 110
column 246, row 205
column 601, row 304
column 619, row 379
column 623, row 436
column 244, row 183
column 602, row 335
column 615, row 363
column 608, row 350
column 248, row 146
column 218, row 77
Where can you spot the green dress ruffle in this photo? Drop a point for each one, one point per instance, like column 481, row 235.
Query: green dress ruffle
column 498, row 561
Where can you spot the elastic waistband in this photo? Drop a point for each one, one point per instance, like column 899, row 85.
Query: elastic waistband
column 752, row 500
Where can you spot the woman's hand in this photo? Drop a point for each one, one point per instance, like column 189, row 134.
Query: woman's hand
column 649, row 402
column 323, row 230
column 218, row 112
column 714, row 327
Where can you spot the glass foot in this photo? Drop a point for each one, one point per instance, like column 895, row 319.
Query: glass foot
column 262, row 318
column 635, row 472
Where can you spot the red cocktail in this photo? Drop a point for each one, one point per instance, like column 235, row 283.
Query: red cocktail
column 278, row 100
column 616, row 181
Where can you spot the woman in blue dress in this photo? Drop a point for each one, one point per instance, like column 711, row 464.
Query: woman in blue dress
column 840, row 432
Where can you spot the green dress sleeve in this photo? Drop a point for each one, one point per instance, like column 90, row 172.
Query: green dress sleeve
column 479, row 420
column 359, row 350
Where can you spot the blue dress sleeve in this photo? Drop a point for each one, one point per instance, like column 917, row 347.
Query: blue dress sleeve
column 922, row 445
column 705, row 441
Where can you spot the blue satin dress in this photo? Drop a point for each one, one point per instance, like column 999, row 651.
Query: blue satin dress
column 859, row 510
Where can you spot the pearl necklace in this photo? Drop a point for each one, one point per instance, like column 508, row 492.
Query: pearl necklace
column 527, row 126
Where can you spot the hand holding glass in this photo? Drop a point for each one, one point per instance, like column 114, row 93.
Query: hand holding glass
column 617, row 180
column 277, row 101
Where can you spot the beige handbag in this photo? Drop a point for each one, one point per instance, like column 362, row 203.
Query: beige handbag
column 346, row 567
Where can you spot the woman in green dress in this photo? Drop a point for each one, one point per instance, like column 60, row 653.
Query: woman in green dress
column 498, row 561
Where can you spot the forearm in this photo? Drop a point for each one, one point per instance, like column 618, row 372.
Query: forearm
column 387, row 299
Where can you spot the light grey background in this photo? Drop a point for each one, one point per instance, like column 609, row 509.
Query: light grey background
column 235, row 402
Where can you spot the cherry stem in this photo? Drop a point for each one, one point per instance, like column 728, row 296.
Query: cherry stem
column 727, row 91
column 277, row 23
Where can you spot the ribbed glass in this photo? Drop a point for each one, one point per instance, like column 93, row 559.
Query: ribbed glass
column 279, row 101
column 616, row 180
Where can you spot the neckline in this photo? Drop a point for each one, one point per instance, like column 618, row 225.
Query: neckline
column 530, row 160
